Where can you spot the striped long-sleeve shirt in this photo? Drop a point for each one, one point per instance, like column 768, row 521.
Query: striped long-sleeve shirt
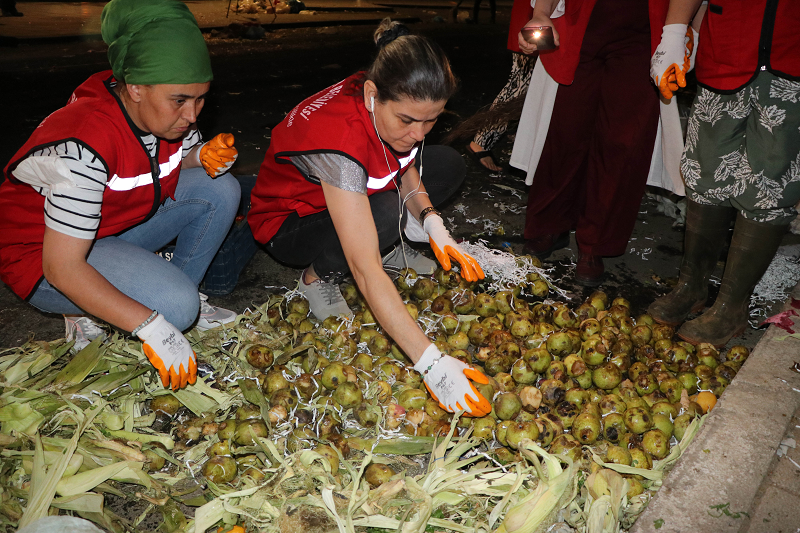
column 75, row 209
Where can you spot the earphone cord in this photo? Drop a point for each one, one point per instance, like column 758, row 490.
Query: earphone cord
column 401, row 202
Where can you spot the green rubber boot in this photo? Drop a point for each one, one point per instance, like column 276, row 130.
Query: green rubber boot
column 752, row 248
column 707, row 228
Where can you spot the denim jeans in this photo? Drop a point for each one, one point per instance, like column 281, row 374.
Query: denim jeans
column 312, row 239
column 200, row 217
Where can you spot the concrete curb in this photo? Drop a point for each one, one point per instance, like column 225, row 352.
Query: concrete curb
column 735, row 451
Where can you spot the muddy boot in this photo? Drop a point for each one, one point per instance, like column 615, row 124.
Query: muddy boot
column 707, row 229
column 752, row 248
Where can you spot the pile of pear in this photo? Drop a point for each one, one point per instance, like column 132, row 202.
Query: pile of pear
column 576, row 379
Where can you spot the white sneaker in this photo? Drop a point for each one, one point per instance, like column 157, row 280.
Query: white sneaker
column 211, row 317
column 82, row 330
column 324, row 299
column 404, row 256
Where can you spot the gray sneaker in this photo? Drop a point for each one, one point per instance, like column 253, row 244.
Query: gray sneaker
column 212, row 316
column 324, row 299
column 404, row 256
column 82, row 330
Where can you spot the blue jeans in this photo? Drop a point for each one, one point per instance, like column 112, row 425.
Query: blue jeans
column 200, row 217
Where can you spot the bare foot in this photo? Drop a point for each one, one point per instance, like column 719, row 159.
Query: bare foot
column 485, row 161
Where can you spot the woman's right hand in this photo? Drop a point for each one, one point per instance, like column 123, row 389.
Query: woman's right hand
column 536, row 21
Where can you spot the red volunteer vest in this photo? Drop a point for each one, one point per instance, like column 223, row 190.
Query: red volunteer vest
column 571, row 27
column 521, row 13
column 333, row 120
column 94, row 117
column 740, row 38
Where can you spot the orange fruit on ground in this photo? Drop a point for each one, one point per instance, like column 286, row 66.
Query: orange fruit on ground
column 706, row 400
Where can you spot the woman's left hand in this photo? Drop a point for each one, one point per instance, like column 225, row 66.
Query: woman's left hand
column 445, row 247
column 218, row 155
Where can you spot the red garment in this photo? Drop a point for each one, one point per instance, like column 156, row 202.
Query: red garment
column 521, row 13
column 594, row 164
column 94, row 117
column 571, row 27
column 334, row 120
column 737, row 39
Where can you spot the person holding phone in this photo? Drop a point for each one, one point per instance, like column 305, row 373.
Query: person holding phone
column 116, row 175
column 741, row 160
column 596, row 156
column 345, row 171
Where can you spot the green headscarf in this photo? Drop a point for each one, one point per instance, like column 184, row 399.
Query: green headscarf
column 152, row 42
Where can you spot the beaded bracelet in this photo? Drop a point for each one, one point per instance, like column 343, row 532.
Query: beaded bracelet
column 425, row 372
column 138, row 328
column 428, row 210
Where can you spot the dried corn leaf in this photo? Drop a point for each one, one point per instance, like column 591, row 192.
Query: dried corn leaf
column 79, row 368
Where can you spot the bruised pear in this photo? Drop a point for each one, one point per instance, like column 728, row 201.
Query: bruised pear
column 614, row 427
column 568, row 446
column 333, row 375
column 507, row 405
column 664, row 423
column 259, row 356
column 522, row 372
column 559, row 344
column 737, row 355
column 567, row 412
column 641, row 334
column 618, row 455
column 640, row 459
column 563, row 317
column 656, row 443
column 607, row 376
column 220, row 469
column 553, row 391
column 166, row 404
column 248, row 430
column 586, row 428
column 638, row 419
column 484, row 427
column 538, row 359
column 485, row 305
column 517, row 431
column 348, row 395
column 680, row 424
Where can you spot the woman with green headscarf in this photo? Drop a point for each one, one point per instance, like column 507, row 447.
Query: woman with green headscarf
column 116, row 175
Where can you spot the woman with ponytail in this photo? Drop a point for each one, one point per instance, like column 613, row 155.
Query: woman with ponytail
column 345, row 177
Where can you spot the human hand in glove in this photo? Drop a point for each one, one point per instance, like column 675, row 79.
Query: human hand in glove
column 448, row 381
column 670, row 62
column 218, row 155
column 445, row 247
column 693, row 47
column 169, row 352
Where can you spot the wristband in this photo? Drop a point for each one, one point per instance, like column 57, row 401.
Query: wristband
column 427, row 211
column 138, row 328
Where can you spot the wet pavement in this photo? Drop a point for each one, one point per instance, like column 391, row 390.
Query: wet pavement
column 54, row 47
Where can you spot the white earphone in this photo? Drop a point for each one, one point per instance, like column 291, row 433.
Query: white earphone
column 372, row 103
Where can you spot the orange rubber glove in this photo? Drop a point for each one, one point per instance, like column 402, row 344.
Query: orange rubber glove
column 671, row 60
column 448, row 381
column 445, row 247
column 234, row 529
column 169, row 352
column 218, row 155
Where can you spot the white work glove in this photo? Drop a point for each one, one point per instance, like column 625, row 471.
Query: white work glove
column 448, row 381
column 670, row 62
column 444, row 247
column 169, row 352
column 413, row 229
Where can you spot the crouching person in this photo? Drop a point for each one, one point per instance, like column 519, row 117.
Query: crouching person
column 117, row 174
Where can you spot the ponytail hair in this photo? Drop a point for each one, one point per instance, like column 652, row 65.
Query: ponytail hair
column 409, row 66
